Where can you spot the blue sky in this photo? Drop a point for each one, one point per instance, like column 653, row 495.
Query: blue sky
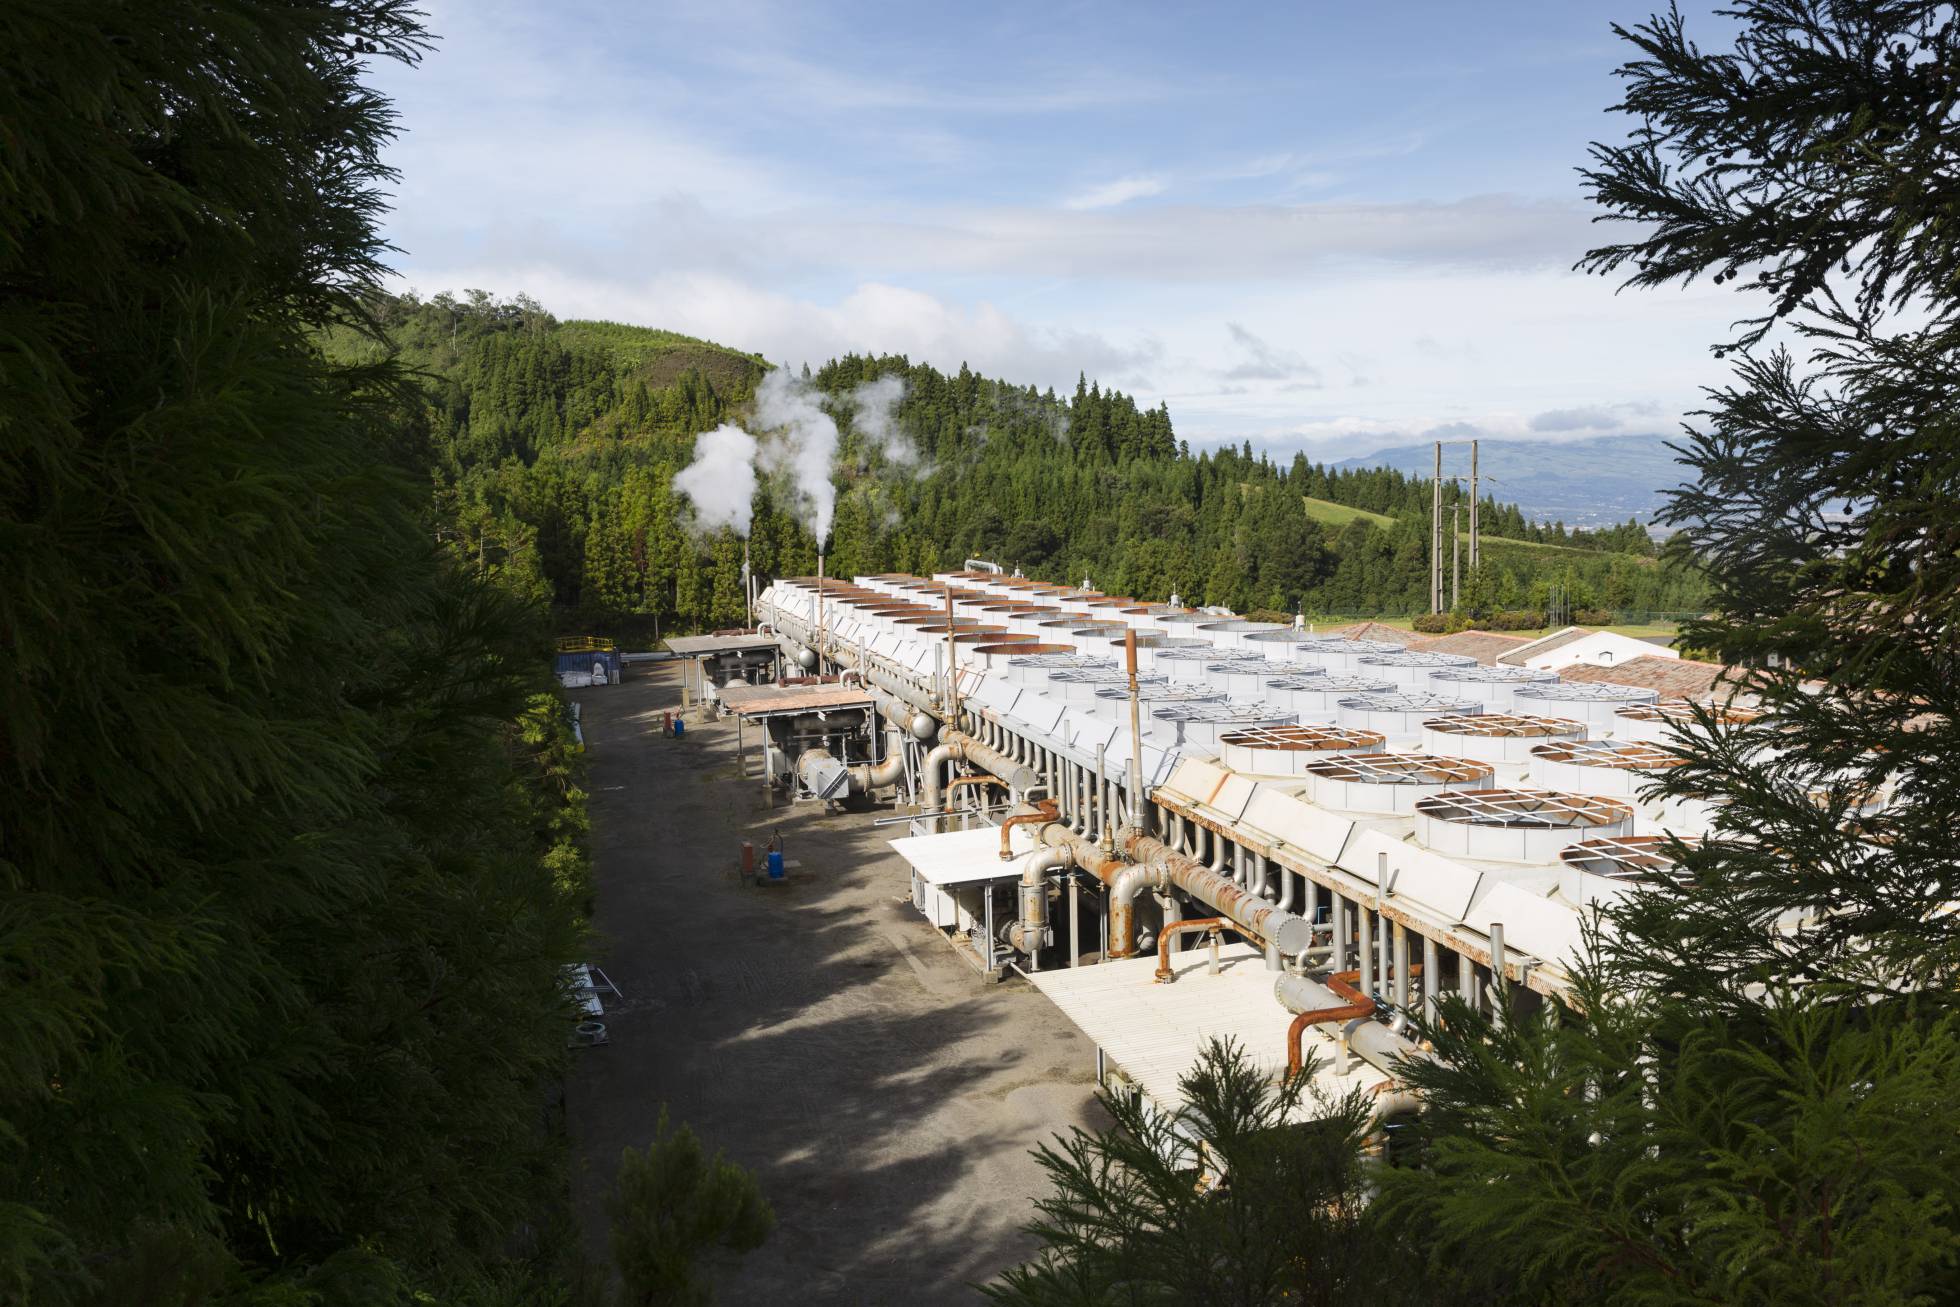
column 1318, row 225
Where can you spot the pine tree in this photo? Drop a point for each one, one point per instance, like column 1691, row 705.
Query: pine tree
column 277, row 764
column 1753, row 1100
column 1229, row 1199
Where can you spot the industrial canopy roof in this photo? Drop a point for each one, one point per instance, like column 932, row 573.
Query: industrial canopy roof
column 696, row 646
column 964, row 857
column 768, row 700
column 1156, row 1033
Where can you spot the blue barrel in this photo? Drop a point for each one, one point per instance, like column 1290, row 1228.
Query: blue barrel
column 775, row 864
column 680, row 728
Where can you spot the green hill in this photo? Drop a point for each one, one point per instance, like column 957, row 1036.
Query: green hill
column 558, row 443
column 660, row 358
column 1328, row 513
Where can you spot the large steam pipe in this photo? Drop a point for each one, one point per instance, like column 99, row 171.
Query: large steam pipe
column 1357, row 1006
column 1030, row 933
column 1137, row 860
column 935, row 787
column 1317, row 1003
column 867, row 776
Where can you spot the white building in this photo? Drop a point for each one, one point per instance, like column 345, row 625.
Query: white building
column 1576, row 646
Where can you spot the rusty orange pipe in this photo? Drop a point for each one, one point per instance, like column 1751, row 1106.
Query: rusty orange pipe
column 1359, row 1005
column 1045, row 810
column 946, row 795
column 1209, row 925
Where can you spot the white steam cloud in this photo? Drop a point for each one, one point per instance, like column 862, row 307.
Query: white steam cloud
column 798, row 446
column 720, row 482
column 876, row 419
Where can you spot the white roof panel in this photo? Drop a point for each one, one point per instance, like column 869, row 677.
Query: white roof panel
column 963, row 857
column 1156, row 1032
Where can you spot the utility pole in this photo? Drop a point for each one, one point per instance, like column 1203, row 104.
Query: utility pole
column 1456, row 555
column 1436, row 534
column 1474, row 558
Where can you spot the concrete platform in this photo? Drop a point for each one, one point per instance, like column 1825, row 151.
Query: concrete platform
column 820, row 1032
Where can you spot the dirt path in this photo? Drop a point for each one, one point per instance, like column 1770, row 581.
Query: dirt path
column 820, row 1033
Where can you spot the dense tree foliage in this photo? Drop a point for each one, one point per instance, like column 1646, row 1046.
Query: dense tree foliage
column 558, row 444
column 675, row 1212
column 1230, row 1199
column 290, row 846
column 1757, row 1099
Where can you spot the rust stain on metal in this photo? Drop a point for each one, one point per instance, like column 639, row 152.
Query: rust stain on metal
column 1046, row 810
column 1210, row 925
column 1358, row 1005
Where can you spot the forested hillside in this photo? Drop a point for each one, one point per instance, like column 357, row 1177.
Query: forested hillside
column 558, row 442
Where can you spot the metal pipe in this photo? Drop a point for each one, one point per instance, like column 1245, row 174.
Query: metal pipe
column 1074, row 921
column 1103, row 791
column 1358, row 1006
column 935, row 792
column 1383, row 952
column 1164, row 868
column 867, row 776
column 1366, row 948
column 1211, row 926
column 978, row 778
column 1123, row 891
column 1430, row 979
column 1030, row 933
column 1044, row 811
column 1498, row 979
column 1401, row 968
column 1135, row 800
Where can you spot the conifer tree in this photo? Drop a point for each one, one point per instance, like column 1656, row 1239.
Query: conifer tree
column 1753, row 1099
column 289, row 840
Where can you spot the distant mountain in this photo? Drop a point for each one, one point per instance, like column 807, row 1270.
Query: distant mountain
column 1604, row 479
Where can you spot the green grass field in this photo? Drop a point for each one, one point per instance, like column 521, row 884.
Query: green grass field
column 1335, row 516
column 1640, row 631
column 661, row 357
column 1339, row 515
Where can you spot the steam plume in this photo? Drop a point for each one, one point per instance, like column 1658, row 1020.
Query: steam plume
column 876, row 403
column 720, row 482
column 801, row 445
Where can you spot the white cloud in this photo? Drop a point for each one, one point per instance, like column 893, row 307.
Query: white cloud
column 1575, row 419
column 1260, row 360
column 871, row 318
column 1111, row 194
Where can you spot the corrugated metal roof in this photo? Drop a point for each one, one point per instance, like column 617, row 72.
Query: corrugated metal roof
column 688, row 646
column 759, row 700
column 1155, row 1032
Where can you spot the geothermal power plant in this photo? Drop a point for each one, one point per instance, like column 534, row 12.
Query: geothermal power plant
column 1180, row 825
